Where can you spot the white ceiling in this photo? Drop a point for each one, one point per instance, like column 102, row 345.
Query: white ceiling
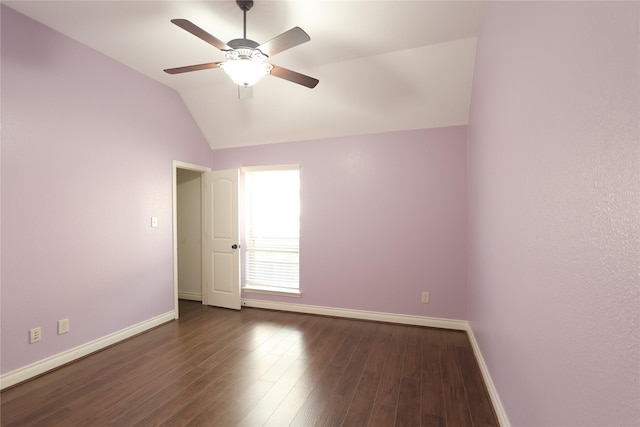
column 382, row 65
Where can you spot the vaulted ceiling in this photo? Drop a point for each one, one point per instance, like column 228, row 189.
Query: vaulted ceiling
column 382, row 65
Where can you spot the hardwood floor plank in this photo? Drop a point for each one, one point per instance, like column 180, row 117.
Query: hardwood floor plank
column 428, row 420
column 266, row 406
column 409, row 402
column 431, row 350
column 382, row 416
column 51, row 383
column 166, row 393
column 348, row 383
column 432, row 398
column 259, row 367
column 320, row 353
column 335, row 409
column 165, row 370
column 344, row 352
column 81, row 397
column 359, row 412
column 46, row 392
column 355, row 367
column 281, row 367
column 236, row 402
column 391, row 376
column 287, row 410
column 409, row 396
column 313, row 410
column 412, row 364
column 454, row 393
column 188, row 402
column 432, row 401
column 361, row 408
column 264, row 409
column 456, row 406
column 166, row 397
column 380, row 349
column 477, row 395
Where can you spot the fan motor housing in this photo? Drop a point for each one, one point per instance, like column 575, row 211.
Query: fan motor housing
column 240, row 43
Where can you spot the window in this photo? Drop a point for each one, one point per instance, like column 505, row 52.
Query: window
column 272, row 228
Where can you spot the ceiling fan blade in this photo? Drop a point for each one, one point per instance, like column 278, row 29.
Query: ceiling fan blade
column 284, row 41
column 294, row 77
column 200, row 33
column 189, row 68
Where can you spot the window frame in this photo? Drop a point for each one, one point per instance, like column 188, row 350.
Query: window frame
column 264, row 289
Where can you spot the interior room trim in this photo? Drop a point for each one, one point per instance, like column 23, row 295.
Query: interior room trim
column 45, row 365
column 405, row 319
column 501, row 414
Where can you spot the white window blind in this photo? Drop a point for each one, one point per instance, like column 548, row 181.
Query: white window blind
column 272, row 220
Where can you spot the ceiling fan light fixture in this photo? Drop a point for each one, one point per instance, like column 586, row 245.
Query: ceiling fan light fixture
column 246, row 59
column 246, row 66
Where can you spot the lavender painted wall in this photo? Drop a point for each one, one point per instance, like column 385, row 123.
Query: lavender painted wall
column 383, row 218
column 554, row 185
column 87, row 150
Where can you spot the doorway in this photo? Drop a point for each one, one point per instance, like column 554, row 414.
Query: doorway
column 187, row 232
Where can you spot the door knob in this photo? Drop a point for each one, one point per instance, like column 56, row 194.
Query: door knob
column 234, row 246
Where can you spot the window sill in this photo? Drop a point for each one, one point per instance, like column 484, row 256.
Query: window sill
column 271, row 291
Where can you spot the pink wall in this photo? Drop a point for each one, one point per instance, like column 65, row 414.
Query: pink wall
column 383, row 218
column 554, row 236
column 87, row 150
column 554, row 185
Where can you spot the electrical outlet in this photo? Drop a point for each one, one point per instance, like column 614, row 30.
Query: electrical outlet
column 35, row 335
column 425, row 297
column 63, row 326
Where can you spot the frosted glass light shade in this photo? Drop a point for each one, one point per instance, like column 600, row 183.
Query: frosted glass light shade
column 245, row 71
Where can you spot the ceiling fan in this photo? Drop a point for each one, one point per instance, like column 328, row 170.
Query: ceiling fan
column 246, row 59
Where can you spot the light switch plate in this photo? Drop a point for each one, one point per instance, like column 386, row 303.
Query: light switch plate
column 425, row 297
column 63, row 326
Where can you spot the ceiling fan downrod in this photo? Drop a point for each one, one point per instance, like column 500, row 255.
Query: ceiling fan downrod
column 245, row 6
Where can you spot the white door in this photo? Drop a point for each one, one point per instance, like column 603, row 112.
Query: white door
column 222, row 254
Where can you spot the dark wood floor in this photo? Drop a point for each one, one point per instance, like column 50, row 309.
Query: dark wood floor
column 259, row 367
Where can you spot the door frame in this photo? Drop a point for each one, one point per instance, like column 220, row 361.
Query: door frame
column 196, row 168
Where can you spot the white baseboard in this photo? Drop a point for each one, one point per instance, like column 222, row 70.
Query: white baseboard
column 493, row 393
column 45, row 365
column 191, row 296
column 405, row 319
